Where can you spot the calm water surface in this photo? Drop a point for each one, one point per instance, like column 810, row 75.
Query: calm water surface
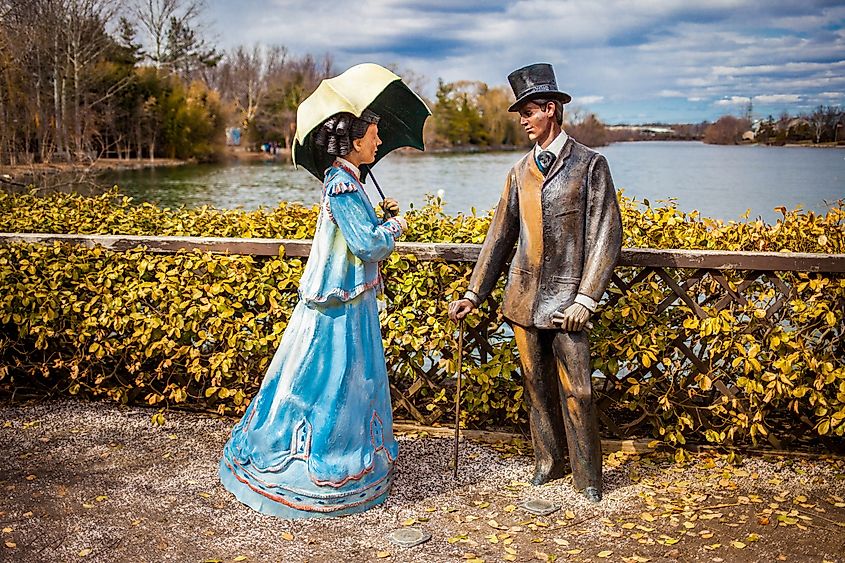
column 719, row 181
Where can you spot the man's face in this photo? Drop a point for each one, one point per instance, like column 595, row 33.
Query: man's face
column 537, row 121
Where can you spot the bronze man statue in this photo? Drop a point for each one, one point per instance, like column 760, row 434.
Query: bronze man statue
column 559, row 208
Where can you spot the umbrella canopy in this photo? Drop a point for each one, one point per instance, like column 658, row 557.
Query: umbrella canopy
column 364, row 86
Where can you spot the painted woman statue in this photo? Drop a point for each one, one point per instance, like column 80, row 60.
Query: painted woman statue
column 317, row 439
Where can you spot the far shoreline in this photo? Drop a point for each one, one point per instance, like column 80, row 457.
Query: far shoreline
column 21, row 173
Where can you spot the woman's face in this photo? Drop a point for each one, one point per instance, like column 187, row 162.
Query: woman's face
column 367, row 145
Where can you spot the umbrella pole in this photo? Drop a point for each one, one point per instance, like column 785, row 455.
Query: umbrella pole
column 458, row 393
column 387, row 213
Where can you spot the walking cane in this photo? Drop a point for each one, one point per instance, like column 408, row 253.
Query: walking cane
column 458, row 393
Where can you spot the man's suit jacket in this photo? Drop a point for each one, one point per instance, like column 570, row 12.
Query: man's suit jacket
column 568, row 234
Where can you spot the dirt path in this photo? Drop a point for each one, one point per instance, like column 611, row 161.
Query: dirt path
column 96, row 482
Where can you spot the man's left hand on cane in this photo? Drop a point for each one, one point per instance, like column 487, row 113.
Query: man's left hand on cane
column 572, row 319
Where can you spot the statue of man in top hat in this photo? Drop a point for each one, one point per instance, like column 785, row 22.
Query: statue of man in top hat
column 559, row 208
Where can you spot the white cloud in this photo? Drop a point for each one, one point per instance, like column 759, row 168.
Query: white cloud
column 793, row 67
column 590, row 99
column 777, row 98
column 733, row 101
column 627, row 54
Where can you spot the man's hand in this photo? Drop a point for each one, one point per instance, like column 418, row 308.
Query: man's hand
column 573, row 318
column 390, row 207
column 460, row 309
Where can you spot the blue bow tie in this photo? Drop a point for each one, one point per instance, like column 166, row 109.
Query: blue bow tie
column 545, row 160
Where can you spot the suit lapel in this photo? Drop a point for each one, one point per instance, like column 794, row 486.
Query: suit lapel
column 560, row 160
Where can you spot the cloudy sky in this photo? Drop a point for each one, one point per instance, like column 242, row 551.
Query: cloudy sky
column 629, row 61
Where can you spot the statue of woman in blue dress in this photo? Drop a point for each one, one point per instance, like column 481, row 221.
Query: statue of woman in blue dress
column 317, row 439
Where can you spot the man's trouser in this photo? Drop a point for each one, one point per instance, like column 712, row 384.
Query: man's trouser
column 555, row 362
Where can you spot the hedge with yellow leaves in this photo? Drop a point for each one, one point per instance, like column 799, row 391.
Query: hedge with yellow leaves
column 198, row 330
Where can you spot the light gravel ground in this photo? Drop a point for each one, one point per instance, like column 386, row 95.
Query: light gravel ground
column 98, row 482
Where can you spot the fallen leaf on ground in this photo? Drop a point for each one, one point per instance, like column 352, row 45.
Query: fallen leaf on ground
column 287, row 536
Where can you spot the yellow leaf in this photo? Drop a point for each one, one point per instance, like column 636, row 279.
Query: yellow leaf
column 604, row 554
column 84, row 552
column 575, row 551
column 382, row 554
column 240, row 558
column 287, row 536
column 7, row 530
column 11, row 544
column 647, row 516
column 738, row 544
column 409, row 522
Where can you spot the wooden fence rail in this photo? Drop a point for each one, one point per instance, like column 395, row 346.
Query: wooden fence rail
column 638, row 257
column 692, row 286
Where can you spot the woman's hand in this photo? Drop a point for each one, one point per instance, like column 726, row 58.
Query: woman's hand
column 390, row 207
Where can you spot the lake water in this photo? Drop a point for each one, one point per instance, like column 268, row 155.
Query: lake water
column 721, row 182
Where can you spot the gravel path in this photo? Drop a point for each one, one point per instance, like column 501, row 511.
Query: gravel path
column 98, row 482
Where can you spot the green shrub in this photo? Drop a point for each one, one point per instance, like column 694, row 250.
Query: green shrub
column 198, row 330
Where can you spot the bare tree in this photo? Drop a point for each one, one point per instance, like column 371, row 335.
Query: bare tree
column 823, row 122
column 173, row 33
column 87, row 41
column 245, row 75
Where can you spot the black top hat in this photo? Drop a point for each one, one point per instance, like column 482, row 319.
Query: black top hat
column 535, row 81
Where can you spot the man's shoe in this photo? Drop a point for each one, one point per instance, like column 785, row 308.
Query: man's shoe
column 542, row 476
column 592, row 494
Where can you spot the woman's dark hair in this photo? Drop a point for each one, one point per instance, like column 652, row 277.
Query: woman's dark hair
column 337, row 132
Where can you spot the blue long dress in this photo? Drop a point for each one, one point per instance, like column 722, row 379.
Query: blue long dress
column 317, row 438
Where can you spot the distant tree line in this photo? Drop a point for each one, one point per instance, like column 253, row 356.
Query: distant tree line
column 825, row 124
column 84, row 79
column 81, row 79
column 472, row 115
